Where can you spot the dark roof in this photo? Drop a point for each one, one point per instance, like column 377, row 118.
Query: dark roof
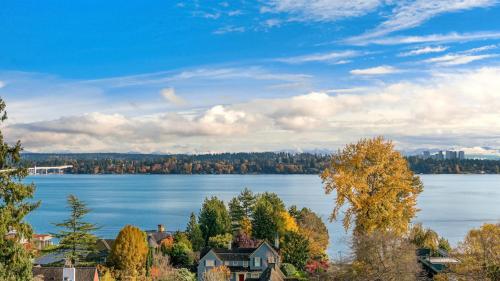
column 56, row 273
column 234, row 254
column 54, row 257
column 155, row 237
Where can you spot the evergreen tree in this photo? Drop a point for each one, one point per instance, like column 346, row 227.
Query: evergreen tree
column 76, row 238
column 268, row 220
column 194, row 233
column 15, row 263
column 295, row 249
column 237, row 214
column 247, row 201
column 214, row 218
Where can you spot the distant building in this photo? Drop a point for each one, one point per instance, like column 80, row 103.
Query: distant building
column 461, row 155
column 440, row 155
column 155, row 237
column 426, row 154
column 41, row 241
column 451, row 155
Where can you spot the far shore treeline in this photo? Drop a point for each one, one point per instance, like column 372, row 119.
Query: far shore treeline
column 233, row 163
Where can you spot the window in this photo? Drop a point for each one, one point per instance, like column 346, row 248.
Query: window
column 256, row 261
column 227, row 263
column 235, row 263
column 255, row 275
column 245, row 263
column 209, row 263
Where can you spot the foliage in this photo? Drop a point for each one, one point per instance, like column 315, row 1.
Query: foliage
column 107, row 276
column 181, row 237
column 289, row 222
column 424, row 238
column 237, row 214
column 15, row 263
column 295, row 249
column 243, row 240
column 288, row 269
column 316, row 266
column 443, row 244
column 219, row 273
column 246, row 226
column 76, row 238
column 194, row 233
column 220, row 241
column 267, row 218
column 453, row 166
column 181, row 255
column 166, row 245
column 312, row 226
column 183, row 274
column 479, row 254
column 247, row 201
column 129, row 252
column 384, row 256
column 375, row 182
column 214, row 218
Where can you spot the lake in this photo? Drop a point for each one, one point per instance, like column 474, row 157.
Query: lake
column 450, row 204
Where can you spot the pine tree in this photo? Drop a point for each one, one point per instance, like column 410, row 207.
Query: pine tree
column 237, row 214
column 247, row 200
column 194, row 233
column 214, row 218
column 76, row 239
column 15, row 263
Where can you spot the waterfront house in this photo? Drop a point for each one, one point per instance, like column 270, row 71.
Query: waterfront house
column 257, row 263
column 434, row 262
column 155, row 237
column 65, row 274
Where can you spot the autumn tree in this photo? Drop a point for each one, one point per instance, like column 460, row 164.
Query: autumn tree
column 76, row 238
column 479, row 255
column 311, row 226
column 194, row 233
column 15, row 260
column 219, row 273
column 382, row 255
column 375, row 183
column 295, row 249
column 214, row 218
column 129, row 252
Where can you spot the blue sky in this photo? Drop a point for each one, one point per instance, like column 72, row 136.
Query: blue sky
column 212, row 76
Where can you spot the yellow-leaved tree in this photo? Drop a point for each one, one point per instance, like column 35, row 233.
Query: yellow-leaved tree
column 374, row 180
column 129, row 252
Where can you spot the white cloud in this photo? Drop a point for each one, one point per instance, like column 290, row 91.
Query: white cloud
column 378, row 70
column 321, row 10
column 458, row 59
column 432, row 38
column 229, row 29
column 424, row 50
column 449, row 109
column 169, row 95
column 2, row 84
column 411, row 14
column 331, row 57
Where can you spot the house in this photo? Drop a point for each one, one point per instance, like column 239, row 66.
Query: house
column 41, row 241
column 434, row 262
column 155, row 237
column 103, row 249
column 65, row 274
column 258, row 263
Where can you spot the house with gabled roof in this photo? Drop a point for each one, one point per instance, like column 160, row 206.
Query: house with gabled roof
column 244, row 263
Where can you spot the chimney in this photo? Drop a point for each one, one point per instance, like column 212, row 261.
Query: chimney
column 161, row 228
column 277, row 241
column 69, row 274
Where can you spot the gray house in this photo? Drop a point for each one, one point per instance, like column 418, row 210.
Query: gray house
column 244, row 263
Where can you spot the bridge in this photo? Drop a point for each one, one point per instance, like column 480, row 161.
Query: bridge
column 48, row 169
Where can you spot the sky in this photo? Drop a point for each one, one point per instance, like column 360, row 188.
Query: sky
column 229, row 76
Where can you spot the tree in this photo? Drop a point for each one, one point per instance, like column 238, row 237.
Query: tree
column 479, row 254
column 312, row 226
column 220, row 241
column 424, row 238
column 181, row 255
column 376, row 183
column 214, row 218
column 15, row 260
column 129, row 252
column 76, row 238
column 181, row 237
column 237, row 214
column 194, row 233
column 382, row 255
column 267, row 220
column 219, row 273
column 295, row 249
column 247, row 200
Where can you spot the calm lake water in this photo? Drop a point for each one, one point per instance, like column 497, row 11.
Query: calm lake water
column 450, row 204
